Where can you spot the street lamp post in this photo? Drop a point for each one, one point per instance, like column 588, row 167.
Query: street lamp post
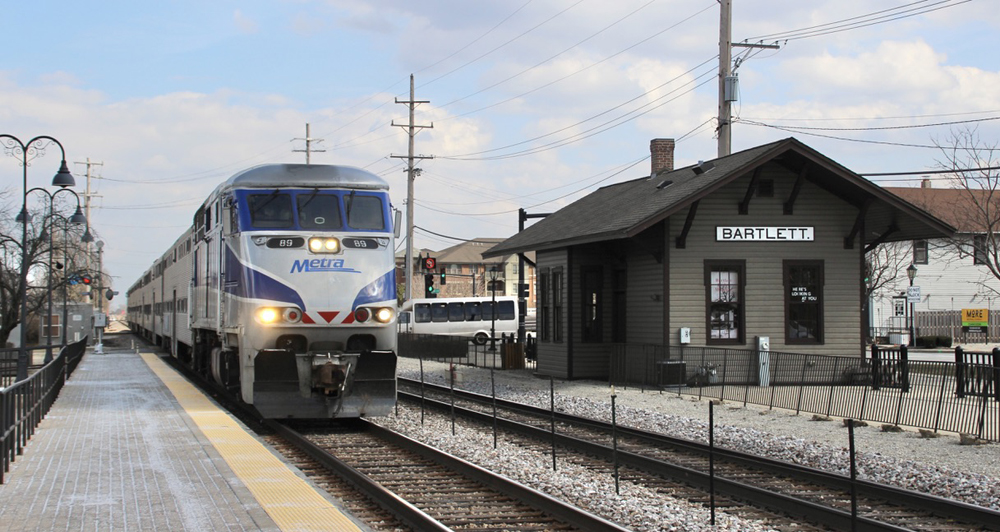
column 65, row 266
column 911, row 272
column 76, row 218
column 63, row 178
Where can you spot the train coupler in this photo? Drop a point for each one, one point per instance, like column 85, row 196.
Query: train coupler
column 325, row 373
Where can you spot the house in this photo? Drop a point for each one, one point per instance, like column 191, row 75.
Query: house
column 468, row 274
column 767, row 244
column 952, row 273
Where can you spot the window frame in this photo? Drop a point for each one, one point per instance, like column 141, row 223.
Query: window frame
column 921, row 251
column 740, row 267
column 786, row 268
column 980, row 246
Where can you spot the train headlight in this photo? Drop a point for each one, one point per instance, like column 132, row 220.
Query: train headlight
column 324, row 245
column 361, row 314
column 267, row 315
column 384, row 315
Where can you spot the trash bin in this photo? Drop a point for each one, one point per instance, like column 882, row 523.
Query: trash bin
column 513, row 355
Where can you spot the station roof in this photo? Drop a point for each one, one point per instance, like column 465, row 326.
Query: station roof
column 626, row 209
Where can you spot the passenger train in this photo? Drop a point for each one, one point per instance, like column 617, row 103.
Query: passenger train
column 284, row 289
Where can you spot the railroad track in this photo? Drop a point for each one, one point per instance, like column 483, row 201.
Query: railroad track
column 393, row 483
column 804, row 493
column 429, row 489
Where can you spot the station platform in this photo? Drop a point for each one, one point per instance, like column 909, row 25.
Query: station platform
column 131, row 445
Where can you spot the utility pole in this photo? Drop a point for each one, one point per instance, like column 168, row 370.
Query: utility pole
column 86, row 200
column 728, row 86
column 309, row 140
column 411, row 175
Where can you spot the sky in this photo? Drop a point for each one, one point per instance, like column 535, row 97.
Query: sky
column 533, row 103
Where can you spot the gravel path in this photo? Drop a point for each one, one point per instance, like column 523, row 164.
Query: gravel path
column 941, row 466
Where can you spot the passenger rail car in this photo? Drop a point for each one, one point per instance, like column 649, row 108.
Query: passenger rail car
column 284, row 289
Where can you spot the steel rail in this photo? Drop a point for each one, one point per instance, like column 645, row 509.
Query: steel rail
column 966, row 513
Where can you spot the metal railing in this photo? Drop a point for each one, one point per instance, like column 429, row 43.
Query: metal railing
column 24, row 403
column 885, row 387
column 506, row 353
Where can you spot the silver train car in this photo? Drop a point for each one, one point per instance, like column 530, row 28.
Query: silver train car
column 283, row 289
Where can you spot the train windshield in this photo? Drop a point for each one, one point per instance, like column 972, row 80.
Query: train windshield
column 270, row 211
column 312, row 210
column 319, row 211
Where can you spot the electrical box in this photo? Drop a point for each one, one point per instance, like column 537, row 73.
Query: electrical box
column 100, row 319
column 764, row 360
column 685, row 335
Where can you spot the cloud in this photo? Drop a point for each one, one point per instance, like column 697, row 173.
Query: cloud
column 244, row 23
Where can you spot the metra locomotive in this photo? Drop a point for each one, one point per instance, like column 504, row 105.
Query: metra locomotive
column 283, row 288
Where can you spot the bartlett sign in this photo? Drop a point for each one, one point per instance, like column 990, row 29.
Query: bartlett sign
column 763, row 234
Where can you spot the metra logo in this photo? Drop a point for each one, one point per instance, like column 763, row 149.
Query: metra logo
column 321, row 265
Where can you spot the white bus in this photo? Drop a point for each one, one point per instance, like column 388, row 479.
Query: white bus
column 460, row 316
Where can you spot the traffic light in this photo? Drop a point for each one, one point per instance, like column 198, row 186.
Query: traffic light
column 523, row 290
column 429, row 285
column 85, row 279
column 443, row 279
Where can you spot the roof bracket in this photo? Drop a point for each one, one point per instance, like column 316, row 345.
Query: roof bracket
column 745, row 204
column 682, row 239
column 790, row 203
column 858, row 222
column 881, row 238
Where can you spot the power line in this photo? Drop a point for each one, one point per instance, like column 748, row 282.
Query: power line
column 924, row 172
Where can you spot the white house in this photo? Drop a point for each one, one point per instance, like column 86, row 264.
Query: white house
column 952, row 274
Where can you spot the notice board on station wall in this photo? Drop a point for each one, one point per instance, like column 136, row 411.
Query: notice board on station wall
column 975, row 320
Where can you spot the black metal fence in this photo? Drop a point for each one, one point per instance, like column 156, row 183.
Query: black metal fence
column 506, row 353
column 883, row 387
column 24, row 403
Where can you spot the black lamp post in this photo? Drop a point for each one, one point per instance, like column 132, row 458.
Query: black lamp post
column 911, row 272
column 63, row 178
column 76, row 218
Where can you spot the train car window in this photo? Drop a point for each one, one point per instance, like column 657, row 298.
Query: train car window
column 456, row 311
column 270, row 211
column 422, row 313
column 473, row 311
column 319, row 211
column 439, row 312
column 364, row 212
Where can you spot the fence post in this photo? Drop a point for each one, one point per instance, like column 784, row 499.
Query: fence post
column 996, row 373
column 904, row 364
column 876, row 368
column 959, row 373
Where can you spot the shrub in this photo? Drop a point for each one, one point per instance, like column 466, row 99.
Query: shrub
column 944, row 341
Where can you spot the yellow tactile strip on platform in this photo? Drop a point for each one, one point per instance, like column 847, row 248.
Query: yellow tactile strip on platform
column 287, row 498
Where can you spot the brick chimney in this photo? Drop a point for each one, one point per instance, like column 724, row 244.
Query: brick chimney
column 926, row 182
column 661, row 153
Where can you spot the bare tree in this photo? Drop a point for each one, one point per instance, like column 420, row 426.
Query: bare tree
column 62, row 261
column 884, row 265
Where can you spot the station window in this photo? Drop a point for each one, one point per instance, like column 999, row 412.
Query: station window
column 557, row 305
column 724, row 295
column 803, row 302
column 544, row 307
